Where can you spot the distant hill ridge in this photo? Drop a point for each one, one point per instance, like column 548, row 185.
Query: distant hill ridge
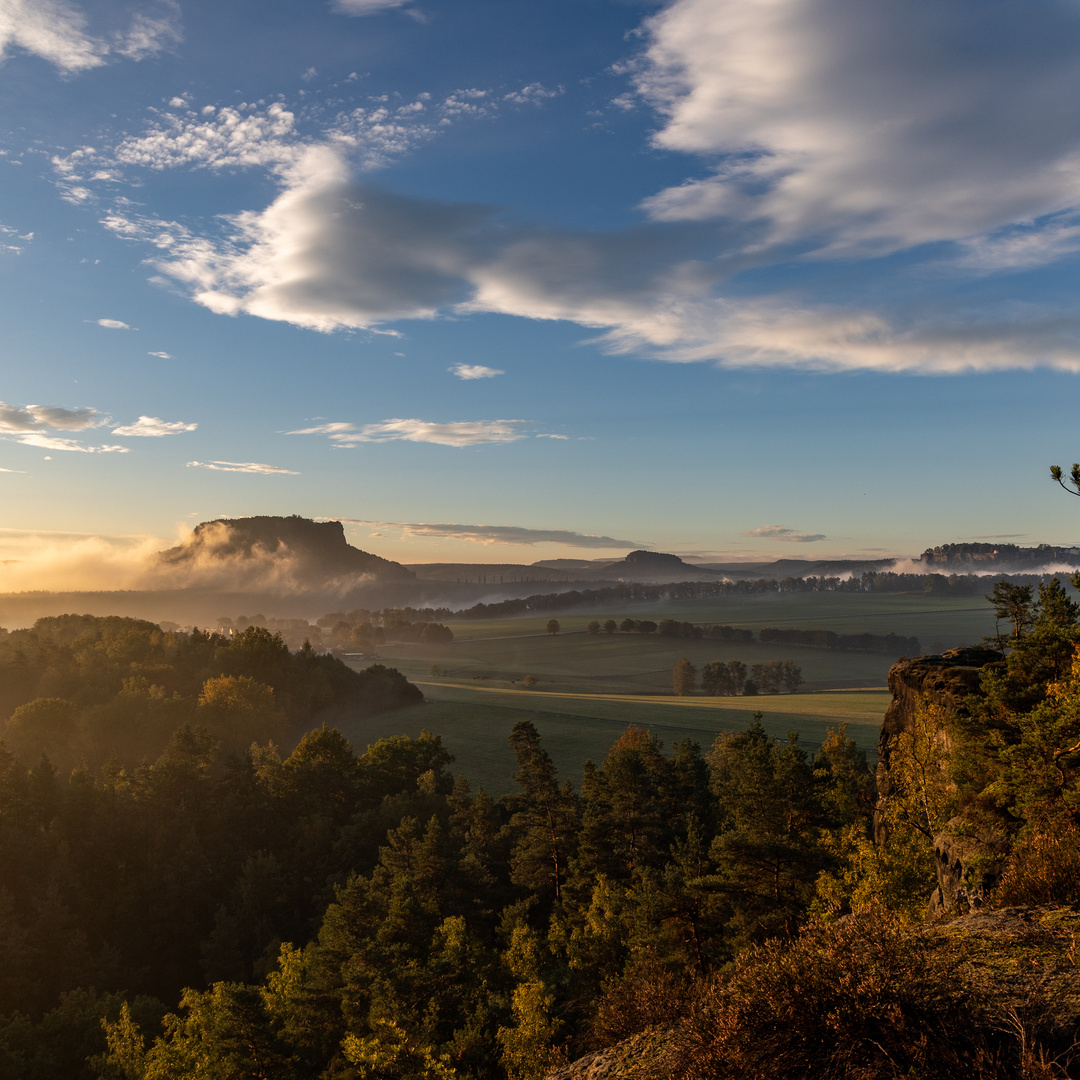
column 999, row 555
column 653, row 566
column 318, row 550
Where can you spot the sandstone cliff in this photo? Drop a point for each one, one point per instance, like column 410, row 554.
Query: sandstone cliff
column 262, row 549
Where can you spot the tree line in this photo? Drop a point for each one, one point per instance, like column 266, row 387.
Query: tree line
column 634, row 593
column 86, row 689
column 888, row 644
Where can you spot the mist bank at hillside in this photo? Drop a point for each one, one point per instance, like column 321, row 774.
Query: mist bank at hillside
column 439, row 601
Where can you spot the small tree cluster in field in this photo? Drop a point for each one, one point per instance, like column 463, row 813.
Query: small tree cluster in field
column 684, row 678
column 731, row 678
column 776, row 675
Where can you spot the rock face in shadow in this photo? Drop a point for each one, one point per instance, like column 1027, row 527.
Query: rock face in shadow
column 314, row 552
column 968, row 857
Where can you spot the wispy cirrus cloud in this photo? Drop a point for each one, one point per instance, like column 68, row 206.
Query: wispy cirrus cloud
column 497, row 534
column 780, row 532
column 113, row 324
column 241, row 467
column 58, row 31
column 367, row 7
column 153, row 427
column 475, row 371
column 57, row 442
column 453, row 433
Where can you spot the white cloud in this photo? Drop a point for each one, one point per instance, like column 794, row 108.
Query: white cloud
column 15, row 249
column 161, row 355
column 240, row 467
column 329, row 253
column 497, row 534
column 326, row 254
column 827, row 130
column 246, row 136
column 151, row 32
column 231, row 138
column 1021, row 247
column 533, row 94
column 367, row 7
column 876, row 126
column 475, row 371
column 454, row 433
column 54, row 442
column 779, row 532
column 335, row 428
column 40, row 417
column 51, row 29
column 113, row 324
column 154, row 427
column 57, row 31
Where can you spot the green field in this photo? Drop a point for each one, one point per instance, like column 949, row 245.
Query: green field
column 589, row 687
column 939, row 622
column 475, row 723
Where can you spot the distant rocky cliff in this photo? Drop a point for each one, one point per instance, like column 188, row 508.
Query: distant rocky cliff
column 315, row 552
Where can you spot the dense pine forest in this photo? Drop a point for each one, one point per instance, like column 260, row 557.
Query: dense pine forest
column 179, row 898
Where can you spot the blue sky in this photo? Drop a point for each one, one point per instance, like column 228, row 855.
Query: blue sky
column 498, row 280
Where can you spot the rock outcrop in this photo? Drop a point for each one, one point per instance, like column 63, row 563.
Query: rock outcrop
column 947, row 680
column 972, row 847
column 299, row 549
column 968, row 855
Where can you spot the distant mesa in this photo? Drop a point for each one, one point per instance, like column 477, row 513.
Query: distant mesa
column 654, row 566
column 313, row 551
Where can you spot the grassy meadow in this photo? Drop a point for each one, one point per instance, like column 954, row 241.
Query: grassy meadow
column 475, row 723
column 589, row 687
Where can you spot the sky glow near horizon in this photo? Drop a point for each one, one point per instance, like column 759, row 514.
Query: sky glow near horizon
column 735, row 278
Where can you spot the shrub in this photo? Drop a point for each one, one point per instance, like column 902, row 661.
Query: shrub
column 1043, row 867
column 857, row 998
